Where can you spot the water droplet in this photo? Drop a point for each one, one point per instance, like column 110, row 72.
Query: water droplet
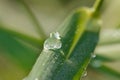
column 55, row 35
column 69, row 61
column 25, row 78
column 84, row 69
column 53, row 61
column 93, row 55
column 48, row 69
column 84, row 74
column 36, row 78
column 96, row 63
column 43, row 64
column 62, row 52
column 48, row 56
column 53, row 42
column 55, row 58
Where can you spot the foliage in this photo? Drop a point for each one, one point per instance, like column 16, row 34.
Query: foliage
column 65, row 55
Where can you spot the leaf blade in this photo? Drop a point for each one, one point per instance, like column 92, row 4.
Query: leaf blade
column 87, row 35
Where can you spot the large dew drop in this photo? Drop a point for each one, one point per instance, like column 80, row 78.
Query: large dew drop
column 53, row 42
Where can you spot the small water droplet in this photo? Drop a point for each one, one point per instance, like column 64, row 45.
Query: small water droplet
column 93, row 55
column 53, row 42
column 25, row 78
column 48, row 56
column 56, row 35
column 84, row 74
column 62, row 53
column 53, row 61
column 48, row 69
column 43, row 64
column 55, row 58
column 36, row 78
column 96, row 63
column 84, row 69
column 69, row 61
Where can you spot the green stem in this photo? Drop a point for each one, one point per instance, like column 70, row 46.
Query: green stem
column 39, row 29
column 97, row 5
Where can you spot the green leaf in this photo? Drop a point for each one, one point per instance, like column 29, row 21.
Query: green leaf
column 16, row 51
column 79, row 36
column 80, row 52
column 29, row 39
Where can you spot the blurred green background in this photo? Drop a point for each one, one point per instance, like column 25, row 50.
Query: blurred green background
column 20, row 42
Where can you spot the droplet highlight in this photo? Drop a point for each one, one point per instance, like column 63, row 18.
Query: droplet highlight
column 43, row 64
column 53, row 42
column 84, row 74
column 93, row 55
column 55, row 35
column 96, row 63
column 36, row 78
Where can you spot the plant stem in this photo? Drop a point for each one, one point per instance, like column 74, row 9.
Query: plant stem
column 33, row 18
column 97, row 5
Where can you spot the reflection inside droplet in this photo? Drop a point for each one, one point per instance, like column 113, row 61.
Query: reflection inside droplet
column 36, row 78
column 96, row 63
column 84, row 74
column 53, row 42
column 93, row 55
column 55, row 35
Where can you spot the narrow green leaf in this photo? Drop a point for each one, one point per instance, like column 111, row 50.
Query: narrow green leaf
column 97, row 5
column 79, row 36
column 16, row 51
column 80, row 51
column 29, row 39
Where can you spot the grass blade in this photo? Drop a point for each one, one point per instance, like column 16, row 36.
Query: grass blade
column 79, row 36
column 29, row 39
column 16, row 51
